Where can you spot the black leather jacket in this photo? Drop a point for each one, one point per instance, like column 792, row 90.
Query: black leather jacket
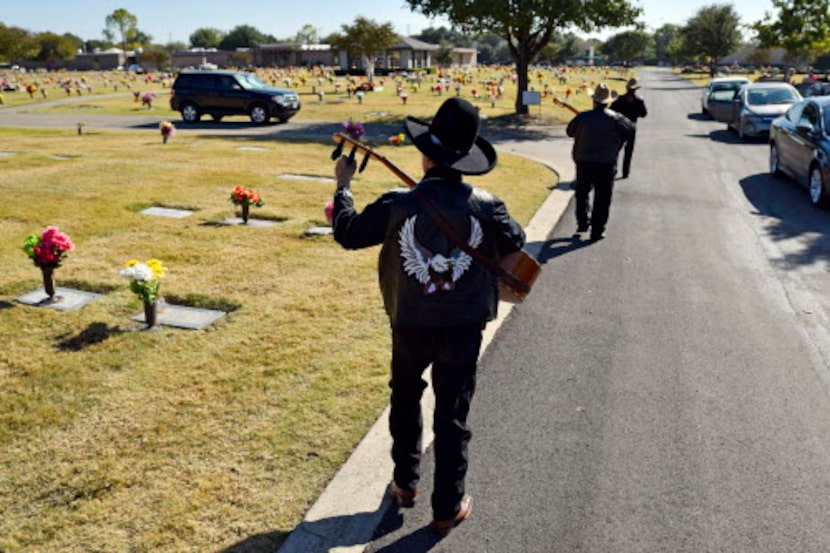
column 598, row 135
column 424, row 278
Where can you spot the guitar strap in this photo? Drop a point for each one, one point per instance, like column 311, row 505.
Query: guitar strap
column 445, row 225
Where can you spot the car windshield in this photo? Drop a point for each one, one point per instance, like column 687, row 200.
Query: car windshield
column 721, row 95
column 729, row 85
column 250, row 81
column 770, row 96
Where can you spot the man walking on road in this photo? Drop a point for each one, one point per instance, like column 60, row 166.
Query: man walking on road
column 437, row 297
column 598, row 134
column 632, row 107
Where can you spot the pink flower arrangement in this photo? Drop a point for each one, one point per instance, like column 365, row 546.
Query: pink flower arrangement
column 167, row 130
column 355, row 129
column 48, row 249
column 329, row 211
column 404, row 97
column 147, row 99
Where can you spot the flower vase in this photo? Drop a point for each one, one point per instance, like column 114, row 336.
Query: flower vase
column 150, row 313
column 49, row 282
column 245, row 211
column 164, row 138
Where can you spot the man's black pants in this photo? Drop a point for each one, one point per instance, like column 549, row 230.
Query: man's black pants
column 453, row 353
column 598, row 177
column 628, row 152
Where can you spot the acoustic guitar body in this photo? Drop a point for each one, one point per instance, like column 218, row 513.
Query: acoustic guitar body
column 525, row 268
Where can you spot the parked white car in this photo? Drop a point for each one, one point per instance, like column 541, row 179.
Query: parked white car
column 725, row 87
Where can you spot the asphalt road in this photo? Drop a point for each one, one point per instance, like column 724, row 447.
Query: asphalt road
column 665, row 389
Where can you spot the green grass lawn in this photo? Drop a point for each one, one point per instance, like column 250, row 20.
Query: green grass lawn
column 117, row 439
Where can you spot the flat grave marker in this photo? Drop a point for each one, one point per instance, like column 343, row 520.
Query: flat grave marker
column 179, row 316
column 66, row 299
column 167, row 212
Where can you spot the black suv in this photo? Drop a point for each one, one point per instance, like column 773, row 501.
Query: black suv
column 220, row 93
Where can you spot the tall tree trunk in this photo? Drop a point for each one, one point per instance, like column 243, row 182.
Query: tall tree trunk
column 522, row 63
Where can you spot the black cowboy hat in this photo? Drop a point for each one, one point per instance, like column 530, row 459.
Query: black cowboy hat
column 451, row 139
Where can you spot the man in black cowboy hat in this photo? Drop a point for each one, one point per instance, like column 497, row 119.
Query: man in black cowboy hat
column 633, row 107
column 437, row 297
column 598, row 134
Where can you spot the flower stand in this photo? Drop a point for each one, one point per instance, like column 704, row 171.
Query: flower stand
column 151, row 314
column 49, row 285
column 245, row 213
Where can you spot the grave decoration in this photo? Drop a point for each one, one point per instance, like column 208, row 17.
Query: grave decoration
column 167, row 130
column 145, row 279
column 398, row 139
column 354, row 129
column 245, row 198
column 81, row 126
column 329, row 211
column 47, row 251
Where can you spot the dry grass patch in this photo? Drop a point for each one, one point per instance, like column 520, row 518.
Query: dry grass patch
column 113, row 439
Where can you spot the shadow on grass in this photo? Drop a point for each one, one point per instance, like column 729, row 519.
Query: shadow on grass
column 261, row 543
column 6, row 305
column 203, row 302
column 86, row 286
column 95, row 333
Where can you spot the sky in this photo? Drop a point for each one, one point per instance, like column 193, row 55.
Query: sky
column 175, row 20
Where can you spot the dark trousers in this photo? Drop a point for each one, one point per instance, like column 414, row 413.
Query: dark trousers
column 628, row 151
column 598, row 177
column 453, row 353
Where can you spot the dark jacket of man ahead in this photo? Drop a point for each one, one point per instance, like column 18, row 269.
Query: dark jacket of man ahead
column 633, row 108
column 598, row 135
column 437, row 297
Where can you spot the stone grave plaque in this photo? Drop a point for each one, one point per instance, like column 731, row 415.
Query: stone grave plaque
column 252, row 149
column 167, row 212
column 193, row 318
column 66, row 299
column 319, row 231
column 306, row 177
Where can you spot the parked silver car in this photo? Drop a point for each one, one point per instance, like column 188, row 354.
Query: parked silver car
column 799, row 146
column 755, row 105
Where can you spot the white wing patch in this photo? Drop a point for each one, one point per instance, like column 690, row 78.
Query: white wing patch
column 436, row 272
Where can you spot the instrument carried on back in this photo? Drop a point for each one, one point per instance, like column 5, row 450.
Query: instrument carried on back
column 517, row 271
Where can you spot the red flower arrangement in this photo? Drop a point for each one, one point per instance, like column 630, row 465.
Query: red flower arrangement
column 48, row 249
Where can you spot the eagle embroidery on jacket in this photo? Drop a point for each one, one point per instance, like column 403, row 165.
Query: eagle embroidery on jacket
column 436, row 272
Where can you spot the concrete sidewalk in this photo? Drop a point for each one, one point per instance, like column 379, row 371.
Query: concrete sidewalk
column 351, row 507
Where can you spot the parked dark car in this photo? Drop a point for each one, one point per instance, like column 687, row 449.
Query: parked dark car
column 799, row 146
column 754, row 107
column 221, row 93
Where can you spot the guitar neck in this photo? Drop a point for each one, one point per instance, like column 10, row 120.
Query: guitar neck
column 360, row 146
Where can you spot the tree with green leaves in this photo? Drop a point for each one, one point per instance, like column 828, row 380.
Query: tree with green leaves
column 527, row 25
column 367, row 39
column 663, row 37
column 156, row 56
column 206, row 37
column 125, row 23
column 307, row 35
column 712, row 33
column 800, row 26
column 55, row 48
column 17, row 44
column 627, row 46
column 245, row 36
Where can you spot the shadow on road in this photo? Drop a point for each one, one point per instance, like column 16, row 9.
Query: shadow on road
column 786, row 207
column 560, row 246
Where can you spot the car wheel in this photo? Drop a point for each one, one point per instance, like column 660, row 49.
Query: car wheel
column 818, row 196
column 190, row 113
column 259, row 114
column 216, row 117
column 774, row 161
